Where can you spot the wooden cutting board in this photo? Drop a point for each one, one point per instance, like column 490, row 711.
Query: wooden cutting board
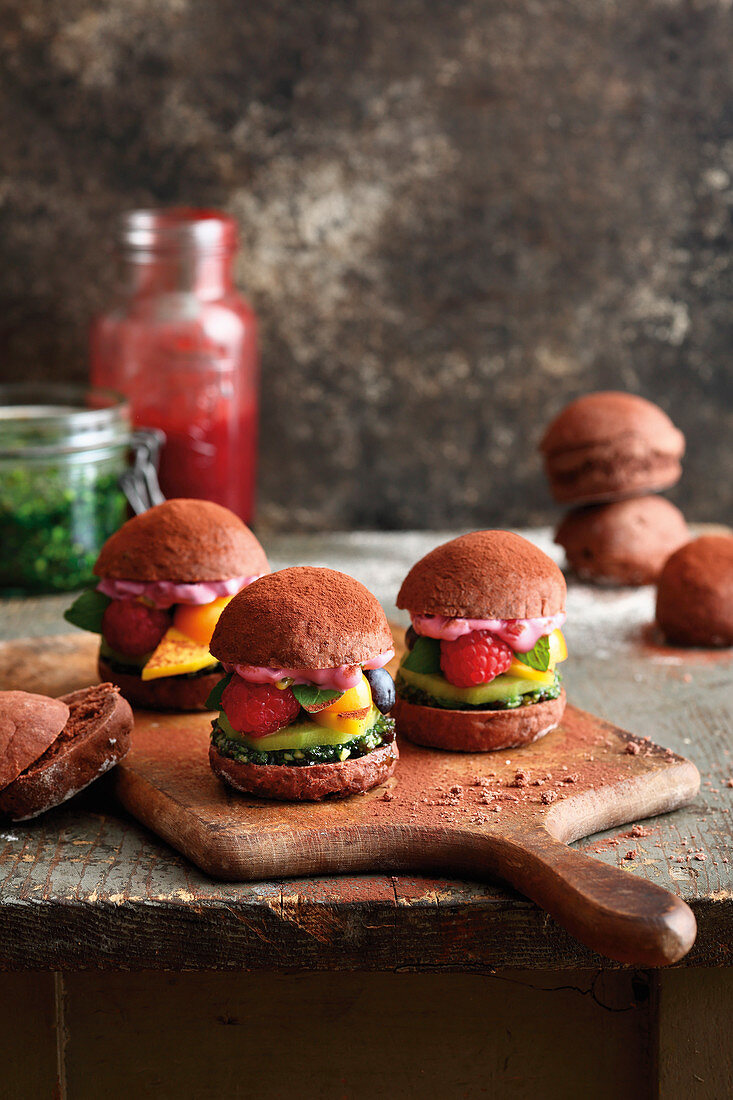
column 509, row 815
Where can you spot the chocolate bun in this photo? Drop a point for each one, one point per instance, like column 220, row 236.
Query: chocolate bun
column 484, row 575
column 182, row 540
column 29, row 723
column 607, row 446
column 310, row 783
column 165, row 693
column 695, row 593
column 302, row 617
column 477, row 730
column 95, row 737
column 626, row 542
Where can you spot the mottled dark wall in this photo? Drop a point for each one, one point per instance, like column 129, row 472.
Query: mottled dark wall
column 454, row 217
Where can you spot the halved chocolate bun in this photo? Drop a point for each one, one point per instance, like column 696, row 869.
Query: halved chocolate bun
column 94, row 738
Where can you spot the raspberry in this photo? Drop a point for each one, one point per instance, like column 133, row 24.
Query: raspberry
column 475, row 658
column 257, row 709
column 133, row 628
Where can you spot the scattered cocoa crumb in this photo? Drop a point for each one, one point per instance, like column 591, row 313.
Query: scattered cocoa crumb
column 495, row 809
column 549, row 796
column 679, row 859
column 570, row 778
column 639, row 830
column 700, row 856
column 632, row 748
column 521, row 778
column 630, row 855
column 387, row 796
column 456, row 789
column 687, row 678
column 729, row 782
column 536, row 783
column 481, row 781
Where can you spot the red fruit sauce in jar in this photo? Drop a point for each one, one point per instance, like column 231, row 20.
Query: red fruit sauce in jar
column 181, row 344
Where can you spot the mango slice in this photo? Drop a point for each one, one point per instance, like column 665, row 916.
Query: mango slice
column 175, row 655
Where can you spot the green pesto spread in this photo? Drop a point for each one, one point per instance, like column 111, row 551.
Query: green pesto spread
column 53, row 522
column 381, row 733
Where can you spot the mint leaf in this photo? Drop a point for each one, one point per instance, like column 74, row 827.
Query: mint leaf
column 539, row 656
column 214, row 700
column 87, row 610
column 313, row 698
column 424, row 656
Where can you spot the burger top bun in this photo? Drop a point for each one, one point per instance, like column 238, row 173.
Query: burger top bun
column 302, row 617
column 28, row 725
column 182, row 540
column 484, row 575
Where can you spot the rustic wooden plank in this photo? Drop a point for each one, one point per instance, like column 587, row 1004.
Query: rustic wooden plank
column 694, row 1024
column 30, row 1044
column 358, row 1035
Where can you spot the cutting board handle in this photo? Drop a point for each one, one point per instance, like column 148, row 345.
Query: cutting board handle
column 611, row 911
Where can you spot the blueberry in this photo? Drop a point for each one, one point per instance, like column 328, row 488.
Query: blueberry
column 382, row 685
column 411, row 636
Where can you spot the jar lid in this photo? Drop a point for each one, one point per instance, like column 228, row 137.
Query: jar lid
column 177, row 228
column 38, row 420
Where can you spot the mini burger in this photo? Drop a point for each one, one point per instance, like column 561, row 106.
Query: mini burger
column 480, row 669
column 304, row 702
column 164, row 579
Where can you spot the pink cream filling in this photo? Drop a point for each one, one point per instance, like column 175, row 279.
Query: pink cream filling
column 331, row 679
column 163, row 594
column 520, row 634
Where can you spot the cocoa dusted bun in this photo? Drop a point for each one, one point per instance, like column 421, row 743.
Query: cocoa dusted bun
column 184, row 541
column 609, row 445
column 307, row 784
column 695, row 593
column 484, row 575
column 468, row 688
column 185, row 693
column 303, row 617
column 626, row 542
column 92, row 737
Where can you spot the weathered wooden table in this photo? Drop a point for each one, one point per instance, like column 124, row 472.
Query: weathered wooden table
column 405, row 986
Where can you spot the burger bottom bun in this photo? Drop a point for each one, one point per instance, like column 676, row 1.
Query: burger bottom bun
column 311, row 782
column 477, row 730
column 167, row 693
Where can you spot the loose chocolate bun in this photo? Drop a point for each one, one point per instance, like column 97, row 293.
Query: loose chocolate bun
column 484, row 575
column 165, row 693
column 28, row 725
column 607, row 446
column 695, row 593
column 476, row 730
column 626, row 542
column 95, row 737
column 310, row 783
column 302, row 618
column 182, row 540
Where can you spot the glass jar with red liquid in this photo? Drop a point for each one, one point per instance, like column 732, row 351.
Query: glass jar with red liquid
column 181, row 344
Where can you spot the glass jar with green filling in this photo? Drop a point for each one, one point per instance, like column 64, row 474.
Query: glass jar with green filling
column 62, row 451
